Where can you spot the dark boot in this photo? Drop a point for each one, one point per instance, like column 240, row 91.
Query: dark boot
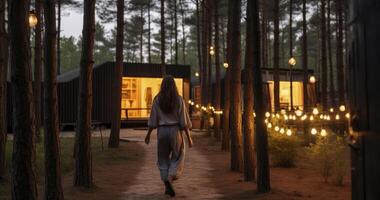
column 169, row 189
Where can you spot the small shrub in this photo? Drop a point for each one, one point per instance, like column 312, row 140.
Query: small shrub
column 283, row 149
column 328, row 154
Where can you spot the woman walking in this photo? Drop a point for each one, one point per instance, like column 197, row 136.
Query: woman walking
column 170, row 117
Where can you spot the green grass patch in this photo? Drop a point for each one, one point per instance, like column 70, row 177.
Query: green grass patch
column 104, row 156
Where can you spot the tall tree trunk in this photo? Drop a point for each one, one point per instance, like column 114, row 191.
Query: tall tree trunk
column 209, row 17
column 3, row 87
column 37, row 67
column 53, row 181
column 276, row 54
column 226, row 140
column 339, row 52
column 162, row 11
column 217, row 70
column 304, row 56
column 263, row 177
column 115, row 126
column 59, row 2
column 291, row 51
column 248, row 122
column 331, row 72
column 235, row 112
column 183, row 32
column 264, row 35
column 175, row 32
column 83, row 158
column 149, row 33
column 205, row 54
column 323, row 54
column 142, row 34
column 199, row 40
column 23, row 158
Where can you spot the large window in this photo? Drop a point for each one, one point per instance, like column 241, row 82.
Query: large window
column 138, row 94
column 285, row 94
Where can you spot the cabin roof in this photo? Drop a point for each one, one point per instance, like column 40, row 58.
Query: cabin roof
column 134, row 70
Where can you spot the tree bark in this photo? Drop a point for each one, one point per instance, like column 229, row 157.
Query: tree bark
column 162, row 11
column 3, row 87
column 291, row 50
column 331, row 72
column 149, row 33
column 115, row 126
column 339, row 52
column 175, row 32
column 263, row 176
column 183, row 32
column 142, row 34
column 226, row 140
column 276, row 55
column 23, row 158
column 248, row 122
column 235, row 112
column 199, row 40
column 204, row 75
column 217, row 70
column 37, row 67
column 323, row 54
column 83, row 160
column 305, row 56
column 53, row 181
column 209, row 8
column 59, row 2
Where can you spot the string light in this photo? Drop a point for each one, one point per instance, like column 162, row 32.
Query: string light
column 276, row 128
column 315, row 111
column 314, row 131
column 331, row 109
column 298, row 112
column 348, row 115
column 311, row 118
column 289, row 132
column 197, row 74
column 337, row 117
column 323, row 133
column 269, row 125
column 282, row 130
column 342, row 108
column 225, row 65
column 267, row 114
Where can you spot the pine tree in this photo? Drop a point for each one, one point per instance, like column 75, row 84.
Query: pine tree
column 235, row 109
column 24, row 186
column 53, row 181
column 83, row 160
column 115, row 126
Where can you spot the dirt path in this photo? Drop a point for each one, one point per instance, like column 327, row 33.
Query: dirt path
column 195, row 183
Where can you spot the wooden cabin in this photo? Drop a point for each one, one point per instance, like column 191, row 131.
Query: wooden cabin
column 140, row 84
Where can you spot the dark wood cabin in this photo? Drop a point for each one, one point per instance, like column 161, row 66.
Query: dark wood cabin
column 141, row 83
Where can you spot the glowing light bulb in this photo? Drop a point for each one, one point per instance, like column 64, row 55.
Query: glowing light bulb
column 189, row 101
column 315, row 111
column 267, row 114
column 289, row 132
column 197, row 106
column 348, row 115
column 342, row 108
column 286, row 117
column 314, row 131
column 283, row 111
column 282, row 130
column 292, row 61
column 337, row 117
column 312, row 79
column 276, row 128
column 311, row 118
column 331, row 109
column 225, row 65
column 298, row 113
column 323, row 133
column 269, row 125
column 278, row 116
column 321, row 116
column 197, row 74
column 254, row 114
column 33, row 20
column 266, row 121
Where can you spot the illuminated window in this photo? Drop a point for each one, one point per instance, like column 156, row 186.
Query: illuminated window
column 285, row 94
column 138, row 94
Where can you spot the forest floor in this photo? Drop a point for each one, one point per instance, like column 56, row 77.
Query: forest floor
column 130, row 172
